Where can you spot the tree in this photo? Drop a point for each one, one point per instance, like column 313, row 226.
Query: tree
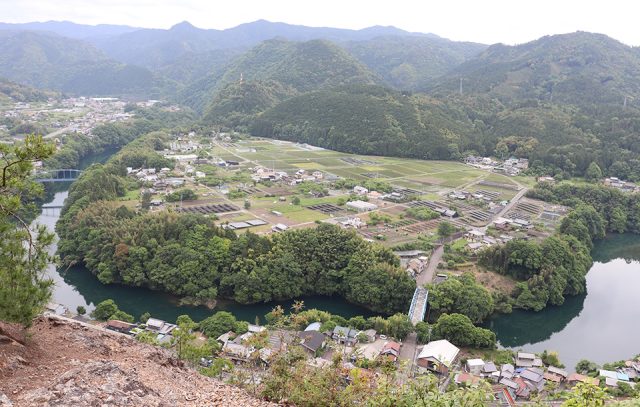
column 594, row 173
column 220, row 323
column 81, row 310
column 145, row 317
column 459, row 330
column 104, row 310
column 445, row 229
column 122, row 316
column 247, row 204
column 423, row 330
column 295, row 200
column 585, row 366
column 24, row 290
column 183, row 334
column 586, row 395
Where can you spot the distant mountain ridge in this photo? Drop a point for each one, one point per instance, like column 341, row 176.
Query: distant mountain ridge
column 70, row 29
column 154, row 47
column 50, row 61
column 574, row 68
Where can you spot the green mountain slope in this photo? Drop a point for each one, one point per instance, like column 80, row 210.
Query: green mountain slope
column 238, row 103
column 14, row 92
column 302, row 66
column 411, row 63
column 368, row 120
column 53, row 62
column 580, row 68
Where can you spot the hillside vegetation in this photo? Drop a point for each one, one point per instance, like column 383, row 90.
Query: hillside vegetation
column 579, row 68
column 53, row 62
column 411, row 63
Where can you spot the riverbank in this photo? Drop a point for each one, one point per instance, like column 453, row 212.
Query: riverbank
column 586, row 326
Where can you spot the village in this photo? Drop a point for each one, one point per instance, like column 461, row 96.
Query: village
column 513, row 376
column 58, row 117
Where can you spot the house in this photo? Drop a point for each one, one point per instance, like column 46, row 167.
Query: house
column 574, row 378
column 119, row 326
column 438, row 356
column 467, row 379
column 312, row 341
column 391, row 350
column 159, row 326
column 415, row 267
column 474, row 236
column 237, row 352
column 510, row 384
column 361, row 206
column 371, row 335
column 608, row 373
column 226, row 337
column 534, row 378
column 501, row 224
column 504, row 396
column 474, row 366
column 279, row 227
column 314, row 326
column 524, row 359
column 489, row 368
column 523, row 390
column 358, row 190
column 556, row 374
column 507, row 371
column 346, row 336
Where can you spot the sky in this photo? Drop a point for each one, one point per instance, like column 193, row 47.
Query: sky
column 485, row 21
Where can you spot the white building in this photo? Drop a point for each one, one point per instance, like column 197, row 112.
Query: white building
column 361, row 206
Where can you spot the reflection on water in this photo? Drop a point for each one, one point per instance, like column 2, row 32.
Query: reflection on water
column 600, row 325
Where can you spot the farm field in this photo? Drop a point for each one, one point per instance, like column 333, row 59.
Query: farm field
column 282, row 202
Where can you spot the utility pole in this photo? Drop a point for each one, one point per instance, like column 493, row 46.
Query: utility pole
column 460, row 86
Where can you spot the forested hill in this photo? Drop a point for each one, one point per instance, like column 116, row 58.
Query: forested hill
column 298, row 66
column 369, row 120
column 579, row 68
column 411, row 62
column 53, row 62
column 14, row 92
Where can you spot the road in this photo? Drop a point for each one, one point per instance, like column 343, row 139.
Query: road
column 430, row 269
column 507, row 207
column 56, row 133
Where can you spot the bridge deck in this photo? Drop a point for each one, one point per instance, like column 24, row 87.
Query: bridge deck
column 418, row 306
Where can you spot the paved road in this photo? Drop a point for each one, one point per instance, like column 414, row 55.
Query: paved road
column 430, row 269
column 408, row 353
column 56, row 133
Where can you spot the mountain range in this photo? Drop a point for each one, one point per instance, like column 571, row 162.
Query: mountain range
column 566, row 100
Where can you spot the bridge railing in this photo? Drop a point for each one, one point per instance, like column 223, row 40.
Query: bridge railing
column 413, row 301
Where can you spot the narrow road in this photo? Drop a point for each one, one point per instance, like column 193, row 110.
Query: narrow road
column 507, row 207
column 408, row 353
column 56, row 133
column 430, row 269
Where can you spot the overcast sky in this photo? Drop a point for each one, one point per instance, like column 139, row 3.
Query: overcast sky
column 486, row 21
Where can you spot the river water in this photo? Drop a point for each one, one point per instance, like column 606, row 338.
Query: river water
column 602, row 325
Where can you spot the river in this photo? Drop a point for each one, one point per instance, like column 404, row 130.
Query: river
column 600, row 325
column 77, row 286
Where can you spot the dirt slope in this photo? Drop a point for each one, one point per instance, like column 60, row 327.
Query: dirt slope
column 66, row 363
